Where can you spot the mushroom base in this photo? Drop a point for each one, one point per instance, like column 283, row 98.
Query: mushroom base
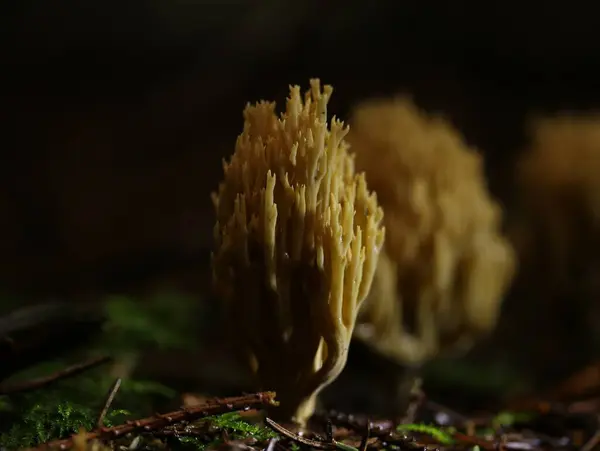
column 293, row 406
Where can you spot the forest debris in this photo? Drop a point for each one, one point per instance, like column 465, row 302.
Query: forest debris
column 329, row 444
column 160, row 421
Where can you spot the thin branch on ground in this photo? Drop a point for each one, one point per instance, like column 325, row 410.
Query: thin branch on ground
column 317, row 444
column 159, row 421
column 112, row 392
column 35, row 384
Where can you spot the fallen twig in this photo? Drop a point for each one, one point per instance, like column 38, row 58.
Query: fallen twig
column 353, row 422
column 107, row 403
column 592, row 443
column 330, row 444
column 159, row 421
column 35, row 384
column 272, row 444
column 365, row 438
column 317, row 444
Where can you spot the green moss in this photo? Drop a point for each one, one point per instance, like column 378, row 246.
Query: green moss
column 59, row 411
column 45, row 421
column 49, row 419
column 442, row 435
column 240, row 428
column 236, row 427
column 164, row 321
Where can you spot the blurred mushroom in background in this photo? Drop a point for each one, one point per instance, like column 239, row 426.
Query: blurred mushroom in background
column 298, row 237
column 445, row 266
column 558, row 235
column 559, row 177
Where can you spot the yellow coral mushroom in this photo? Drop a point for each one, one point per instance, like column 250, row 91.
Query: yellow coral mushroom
column 445, row 265
column 297, row 242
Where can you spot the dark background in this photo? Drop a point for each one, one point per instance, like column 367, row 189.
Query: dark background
column 117, row 113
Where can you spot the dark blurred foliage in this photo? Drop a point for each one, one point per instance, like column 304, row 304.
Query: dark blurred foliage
column 116, row 115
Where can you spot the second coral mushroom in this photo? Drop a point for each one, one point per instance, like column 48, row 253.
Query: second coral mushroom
column 446, row 265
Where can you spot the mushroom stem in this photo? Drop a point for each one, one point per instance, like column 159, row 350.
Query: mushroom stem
column 294, row 405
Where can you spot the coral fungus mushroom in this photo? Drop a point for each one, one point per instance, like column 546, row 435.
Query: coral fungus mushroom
column 445, row 266
column 298, row 237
